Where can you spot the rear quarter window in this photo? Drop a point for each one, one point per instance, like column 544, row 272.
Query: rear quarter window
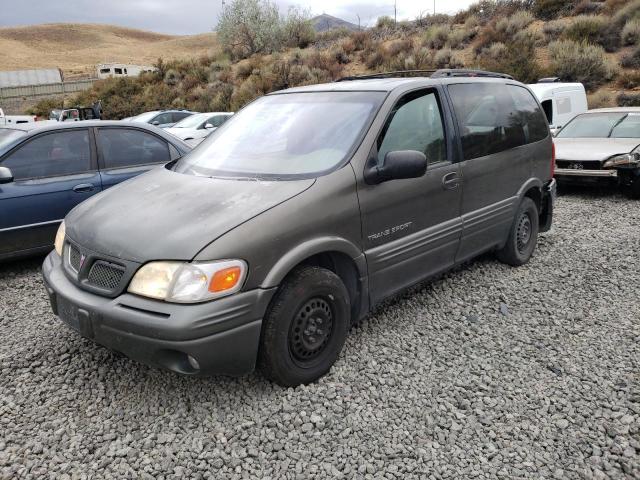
column 496, row 117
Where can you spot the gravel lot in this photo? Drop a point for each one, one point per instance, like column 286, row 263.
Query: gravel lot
column 489, row 372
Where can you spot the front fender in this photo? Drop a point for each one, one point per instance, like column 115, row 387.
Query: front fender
column 310, row 248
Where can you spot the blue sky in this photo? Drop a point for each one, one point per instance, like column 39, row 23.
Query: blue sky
column 197, row 16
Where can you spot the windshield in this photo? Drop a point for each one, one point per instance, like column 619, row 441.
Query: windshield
column 286, row 135
column 192, row 121
column 603, row 125
column 8, row 136
column 144, row 117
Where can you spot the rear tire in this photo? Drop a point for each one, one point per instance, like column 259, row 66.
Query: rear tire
column 305, row 327
column 523, row 235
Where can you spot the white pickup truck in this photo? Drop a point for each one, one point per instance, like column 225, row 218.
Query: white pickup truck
column 8, row 120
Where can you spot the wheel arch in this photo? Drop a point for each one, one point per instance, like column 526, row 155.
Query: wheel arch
column 335, row 254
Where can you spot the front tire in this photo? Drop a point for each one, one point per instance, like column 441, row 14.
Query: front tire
column 523, row 235
column 305, row 327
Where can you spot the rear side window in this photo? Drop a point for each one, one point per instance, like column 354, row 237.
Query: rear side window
column 218, row 120
column 52, row 155
column 177, row 116
column 163, row 118
column 415, row 124
column 496, row 117
column 120, row 147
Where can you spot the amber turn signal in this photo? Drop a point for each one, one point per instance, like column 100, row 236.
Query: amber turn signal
column 225, row 279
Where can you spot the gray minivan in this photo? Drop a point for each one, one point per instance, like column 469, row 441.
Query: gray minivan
column 302, row 213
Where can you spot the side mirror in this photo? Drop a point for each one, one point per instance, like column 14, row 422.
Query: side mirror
column 5, row 175
column 397, row 165
column 155, row 122
column 208, row 126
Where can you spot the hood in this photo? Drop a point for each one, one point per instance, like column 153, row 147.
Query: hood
column 163, row 215
column 586, row 149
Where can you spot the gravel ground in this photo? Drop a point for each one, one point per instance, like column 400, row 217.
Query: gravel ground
column 488, row 372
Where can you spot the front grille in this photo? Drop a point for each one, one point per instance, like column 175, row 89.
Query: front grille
column 580, row 164
column 105, row 275
column 75, row 258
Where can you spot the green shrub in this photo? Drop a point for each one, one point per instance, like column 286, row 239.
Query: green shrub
column 631, row 59
column 515, row 23
column 554, row 29
column 587, row 7
column 458, row 38
column 436, row 37
column 43, row 107
column 552, row 9
column 585, row 28
column 600, row 99
column 629, row 80
column 611, row 37
column 446, row 59
column 298, row 29
column 516, row 58
column 333, row 34
column 580, row 62
column 385, row 22
column 631, row 32
column 628, row 100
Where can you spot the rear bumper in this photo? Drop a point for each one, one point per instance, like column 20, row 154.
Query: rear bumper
column 219, row 337
column 549, row 195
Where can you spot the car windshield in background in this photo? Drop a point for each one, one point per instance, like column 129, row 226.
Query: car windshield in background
column 603, row 125
column 144, row 117
column 192, row 121
column 294, row 134
column 8, row 136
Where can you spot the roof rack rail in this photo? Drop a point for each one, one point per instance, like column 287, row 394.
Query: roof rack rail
column 398, row 73
column 463, row 72
column 441, row 73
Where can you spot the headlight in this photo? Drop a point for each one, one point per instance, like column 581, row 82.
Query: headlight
column 625, row 159
column 59, row 243
column 188, row 282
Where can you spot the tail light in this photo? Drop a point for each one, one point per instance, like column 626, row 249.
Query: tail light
column 553, row 159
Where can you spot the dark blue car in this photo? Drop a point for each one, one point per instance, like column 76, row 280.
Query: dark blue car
column 46, row 170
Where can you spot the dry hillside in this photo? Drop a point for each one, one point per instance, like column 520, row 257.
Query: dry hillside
column 77, row 48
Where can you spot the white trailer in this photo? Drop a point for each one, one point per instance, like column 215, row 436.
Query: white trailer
column 108, row 70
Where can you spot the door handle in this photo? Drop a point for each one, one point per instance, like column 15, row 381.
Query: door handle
column 84, row 187
column 450, row 181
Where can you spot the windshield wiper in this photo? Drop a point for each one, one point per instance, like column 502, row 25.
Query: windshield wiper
column 616, row 124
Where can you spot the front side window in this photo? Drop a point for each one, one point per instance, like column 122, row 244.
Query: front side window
column 51, row 155
column 415, row 124
column 121, row 148
column 285, row 135
column 547, row 106
column 495, row 117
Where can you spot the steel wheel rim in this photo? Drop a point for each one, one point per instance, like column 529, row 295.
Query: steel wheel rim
column 311, row 330
column 524, row 232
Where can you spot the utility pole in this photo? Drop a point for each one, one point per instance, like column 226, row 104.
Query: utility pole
column 434, row 6
column 395, row 11
column 358, row 15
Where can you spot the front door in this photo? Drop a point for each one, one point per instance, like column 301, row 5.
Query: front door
column 126, row 152
column 53, row 173
column 411, row 228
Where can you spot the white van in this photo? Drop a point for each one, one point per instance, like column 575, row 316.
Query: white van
column 560, row 101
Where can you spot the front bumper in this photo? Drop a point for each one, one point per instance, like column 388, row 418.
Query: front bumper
column 218, row 337
column 577, row 174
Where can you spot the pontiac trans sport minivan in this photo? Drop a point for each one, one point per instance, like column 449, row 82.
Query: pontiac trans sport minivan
column 265, row 244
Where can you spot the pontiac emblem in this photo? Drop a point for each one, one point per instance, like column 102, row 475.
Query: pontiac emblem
column 82, row 259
